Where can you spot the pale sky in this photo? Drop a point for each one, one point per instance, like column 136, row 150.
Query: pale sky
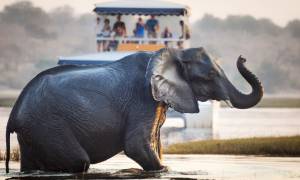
column 279, row 11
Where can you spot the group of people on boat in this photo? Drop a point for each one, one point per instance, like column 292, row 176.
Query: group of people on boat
column 119, row 31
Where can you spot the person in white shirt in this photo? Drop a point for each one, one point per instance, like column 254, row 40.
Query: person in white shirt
column 106, row 32
column 98, row 30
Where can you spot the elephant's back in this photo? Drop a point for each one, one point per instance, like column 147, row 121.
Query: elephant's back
column 27, row 103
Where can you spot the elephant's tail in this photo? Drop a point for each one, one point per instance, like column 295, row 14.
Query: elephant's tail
column 7, row 150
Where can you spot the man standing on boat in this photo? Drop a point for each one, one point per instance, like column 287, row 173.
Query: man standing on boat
column 119, row 27
column 98, row 30
column 152, row 27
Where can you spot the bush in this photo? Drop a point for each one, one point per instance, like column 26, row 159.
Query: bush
column 270, row 146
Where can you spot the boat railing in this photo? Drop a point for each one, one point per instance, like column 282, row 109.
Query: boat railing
column 139, row 40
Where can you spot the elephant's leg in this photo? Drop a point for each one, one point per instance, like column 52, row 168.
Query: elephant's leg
column 142, row 144
column 27, row 156
column 140, row 151
column 56, row 149
column 76, row 161
column 72, row 158
column 68, row 155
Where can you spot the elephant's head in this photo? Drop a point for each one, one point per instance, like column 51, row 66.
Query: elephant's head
column 180, row 78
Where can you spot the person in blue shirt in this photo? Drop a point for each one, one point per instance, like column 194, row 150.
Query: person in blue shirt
column 139, row 30
column 152, row 27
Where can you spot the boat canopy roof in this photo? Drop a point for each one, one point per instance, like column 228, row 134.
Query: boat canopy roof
column 139, row 7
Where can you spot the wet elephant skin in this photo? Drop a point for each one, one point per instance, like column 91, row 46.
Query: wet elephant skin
column 68, row 117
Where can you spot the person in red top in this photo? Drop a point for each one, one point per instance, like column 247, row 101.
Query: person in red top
column 119, row 27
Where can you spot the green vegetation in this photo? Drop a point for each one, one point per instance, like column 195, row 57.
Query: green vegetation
column 279, row 102
column 8, row 97
column 270, row 146
column 7, row 102
column 14, row 155
column 276, row 102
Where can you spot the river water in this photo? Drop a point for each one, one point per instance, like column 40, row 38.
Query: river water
column 188, row 167
column 230, row 124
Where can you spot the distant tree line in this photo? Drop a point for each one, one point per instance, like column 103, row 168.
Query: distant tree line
column 31, row 40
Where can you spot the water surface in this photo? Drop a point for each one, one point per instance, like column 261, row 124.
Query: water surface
column 185, row 166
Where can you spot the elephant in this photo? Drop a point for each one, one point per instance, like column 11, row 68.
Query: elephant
column 69, row 116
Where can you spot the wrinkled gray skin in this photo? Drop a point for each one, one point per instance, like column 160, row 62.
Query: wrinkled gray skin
column 68, row 117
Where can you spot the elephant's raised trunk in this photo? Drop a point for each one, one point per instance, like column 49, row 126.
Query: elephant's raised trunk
column 240, row 100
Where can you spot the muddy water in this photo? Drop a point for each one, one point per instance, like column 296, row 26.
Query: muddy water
column 184, row 166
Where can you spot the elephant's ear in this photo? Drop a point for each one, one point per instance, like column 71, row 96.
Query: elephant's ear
column 168, row 85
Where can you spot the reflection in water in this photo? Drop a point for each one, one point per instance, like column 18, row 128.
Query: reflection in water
column 182, row 167
column 131, row 173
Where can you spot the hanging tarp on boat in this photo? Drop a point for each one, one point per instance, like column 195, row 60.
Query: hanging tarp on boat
column 133, row 7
